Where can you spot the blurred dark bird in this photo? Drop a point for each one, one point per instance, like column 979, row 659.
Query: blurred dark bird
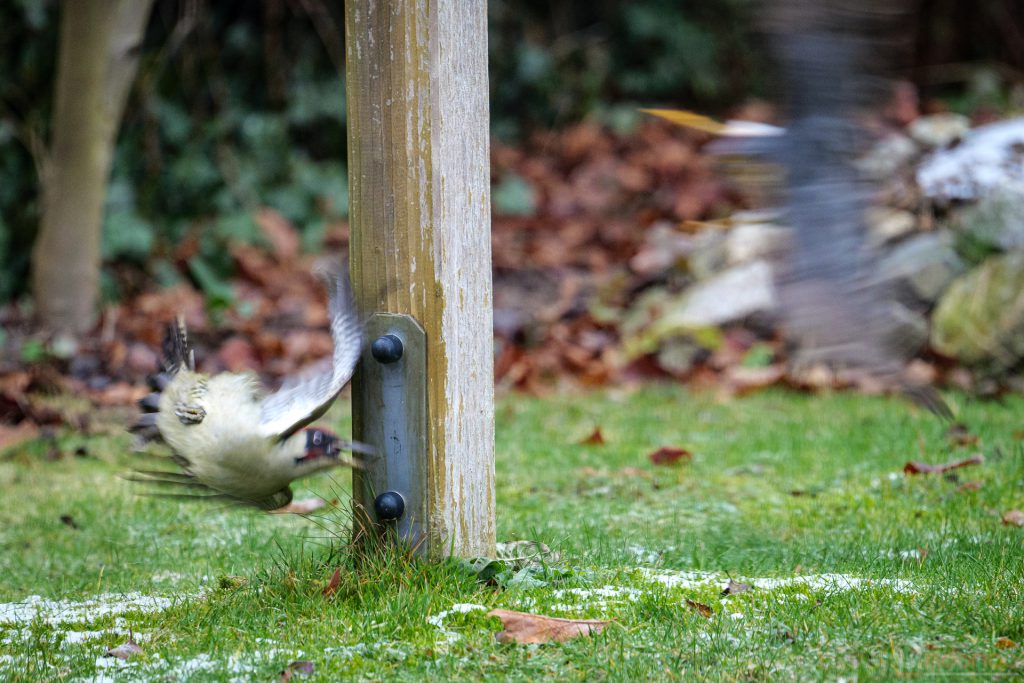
column 236, row 444
column 833, row 56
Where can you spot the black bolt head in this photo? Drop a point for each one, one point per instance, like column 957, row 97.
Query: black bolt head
column 386, row 348
column 389, row 506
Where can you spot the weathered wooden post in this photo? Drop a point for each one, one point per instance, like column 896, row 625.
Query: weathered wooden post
column 419, row 181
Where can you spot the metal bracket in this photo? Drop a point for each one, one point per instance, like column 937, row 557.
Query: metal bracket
column 392, row 417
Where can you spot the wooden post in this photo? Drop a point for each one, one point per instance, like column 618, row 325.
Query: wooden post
column 419, row 178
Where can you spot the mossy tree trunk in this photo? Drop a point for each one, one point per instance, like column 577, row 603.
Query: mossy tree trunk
column 98, row 58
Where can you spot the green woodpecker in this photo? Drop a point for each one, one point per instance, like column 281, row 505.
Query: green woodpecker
column 232, row 441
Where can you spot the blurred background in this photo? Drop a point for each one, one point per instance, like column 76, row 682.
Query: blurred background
column 626, row 247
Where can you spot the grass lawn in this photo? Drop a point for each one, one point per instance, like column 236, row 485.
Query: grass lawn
column 857, row 571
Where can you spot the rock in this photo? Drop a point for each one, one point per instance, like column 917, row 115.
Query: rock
column 980, row 319
column 659, row 318
column 727, row 297
column 988, row 158
column 678, row 355
column 752, row 241
column 887, row 157
column 996, row 220
column 924, row 265
column 939, row 130
column 888, row 225
column 708, row 255
column 663, row 247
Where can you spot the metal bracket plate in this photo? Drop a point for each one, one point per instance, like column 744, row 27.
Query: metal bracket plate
column 392, row 417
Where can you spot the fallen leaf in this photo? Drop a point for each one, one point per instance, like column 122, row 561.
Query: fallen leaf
column 522, row 627
column 1013, row 518
column 916, row 467
column 238, row 355
column 69, row 521
column 669, row 455
column 301, row 667
column 279, row 231
column 973, row 485
column 118, row 394
column 739, row 380
column 596, row 438
column 632, row 472
column 1004, row 642
column 12, row 435
column 700, row 607
column 959, row 435
column 734, row 587
column 125, row 650
column 333, row 584
column 300, row 507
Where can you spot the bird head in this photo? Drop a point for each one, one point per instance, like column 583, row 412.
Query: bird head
column 321, row 446
column 314, row 449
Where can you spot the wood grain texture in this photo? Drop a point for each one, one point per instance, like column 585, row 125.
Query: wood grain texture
column 420, row 217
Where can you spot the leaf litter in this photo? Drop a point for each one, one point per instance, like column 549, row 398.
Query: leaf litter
column 917, row 467
column 526, row 628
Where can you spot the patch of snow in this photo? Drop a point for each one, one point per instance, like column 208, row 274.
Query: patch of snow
column 643, row 554
column 680, row 579
column 833, row 582
column 437, row 620
column 813, row 582
column 458, row 608
column 988, row 158
column 605, row 595
column 64, row 611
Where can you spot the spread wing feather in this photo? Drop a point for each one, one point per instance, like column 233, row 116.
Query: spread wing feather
column 301, row 400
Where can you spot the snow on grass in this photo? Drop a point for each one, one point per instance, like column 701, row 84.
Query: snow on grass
column 812, row 582
column 54, row 612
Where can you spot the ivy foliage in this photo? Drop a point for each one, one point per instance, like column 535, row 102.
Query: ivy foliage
column 241, row 105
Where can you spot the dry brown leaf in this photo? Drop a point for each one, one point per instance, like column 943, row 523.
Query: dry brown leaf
column 118, row 394
column 1013, row 518
column 670, row 455
column 739, row 380
column 238, row 355
column 12, row 435
column 1003, row 642
column 596, row 438
column 973, row 485
column 735, row 587
column 700, row 607
column 300, row 507
column 523, row 627
column 916, row 467
column 333, row 584
column 125, row 650
column 279, row 231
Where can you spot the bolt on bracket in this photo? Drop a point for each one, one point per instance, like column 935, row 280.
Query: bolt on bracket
column 391, row 416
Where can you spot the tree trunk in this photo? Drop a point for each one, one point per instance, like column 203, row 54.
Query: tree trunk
column 97, row 63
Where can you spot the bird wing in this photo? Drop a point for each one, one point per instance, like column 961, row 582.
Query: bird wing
column 300, row 400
